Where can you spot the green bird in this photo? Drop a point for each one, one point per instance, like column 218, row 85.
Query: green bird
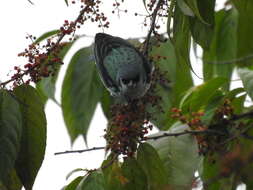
column 123, row 69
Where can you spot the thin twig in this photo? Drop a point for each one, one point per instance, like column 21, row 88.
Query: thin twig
column 245, row 58
column 80, row 151
column 152, row 26
column 30, row 2
column 60, row 37
column 195, row 132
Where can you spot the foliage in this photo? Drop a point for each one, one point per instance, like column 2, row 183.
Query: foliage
column 204, row 128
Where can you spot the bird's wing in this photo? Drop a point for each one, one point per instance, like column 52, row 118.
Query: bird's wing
column 102, row 47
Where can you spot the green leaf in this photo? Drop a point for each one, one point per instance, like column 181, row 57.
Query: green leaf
column 179, row 156
column 245, row 29
column 152, row 165
column 12, row 182
column 136, row 178
column 211, row 169
column 223, row 47
column 81, row 91
column 33, row 141
column 203, row 33
column 211, row 107
column 193, row 4
column 165, row 49
column 185, row 8
column 201, row 94
column 10, row 132
column 112, row 173
column 93, row 181
column 106, row 102
column 46, row 35
column 46, row 86
column 181, row 43
column 73, row 184
column 247, row 79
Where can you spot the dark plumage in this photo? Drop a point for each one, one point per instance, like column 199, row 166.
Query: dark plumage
column 125, row 72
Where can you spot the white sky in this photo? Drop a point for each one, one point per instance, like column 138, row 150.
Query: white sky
column 20, row 18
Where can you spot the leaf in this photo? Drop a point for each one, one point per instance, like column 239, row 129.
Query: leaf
column 10, row 132
column 201, row 94
column 152, row 165
column 12, row 182
column 46, row 35
column 33, row 141
column 74, row 171
column 136, row 178
column 245, row 29
column 93, row 181
column 181, row 43
column 46, row 86
column 210, row 109
column 223, row 47
column 81, row 91
column 112, row 173
column 106, row 102
column 185, row 8
column 179, row 156
column 247, row 79
column 211, row 169
column 193, row 4
column 73, row 184
column 203, row 33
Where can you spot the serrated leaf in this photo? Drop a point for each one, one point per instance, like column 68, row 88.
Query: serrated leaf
column 179, row 156
column 10, row 132
column 46, row 35
column 136, row 178
column 46, row 86
column 81, row 91
column 247, row 79
column 152, row 165
column 33, row 141
column 201, row 94
column 73, row 184
column 93, row 181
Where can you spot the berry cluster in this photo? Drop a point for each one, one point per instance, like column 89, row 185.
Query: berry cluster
column 43, row 60
column 208, row 144
column 129, row 124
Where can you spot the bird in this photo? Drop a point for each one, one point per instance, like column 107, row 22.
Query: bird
column 123, row 69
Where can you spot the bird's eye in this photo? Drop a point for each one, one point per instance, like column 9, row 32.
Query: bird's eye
column 125, row 81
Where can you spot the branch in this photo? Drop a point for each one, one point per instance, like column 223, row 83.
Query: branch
column 195, row 132
column 80, row 151
column 152, row 26
column 60, row 37
column 30, row 2
column 247, row 57
column 241, row 116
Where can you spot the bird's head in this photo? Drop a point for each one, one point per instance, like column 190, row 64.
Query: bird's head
column 131, row 80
